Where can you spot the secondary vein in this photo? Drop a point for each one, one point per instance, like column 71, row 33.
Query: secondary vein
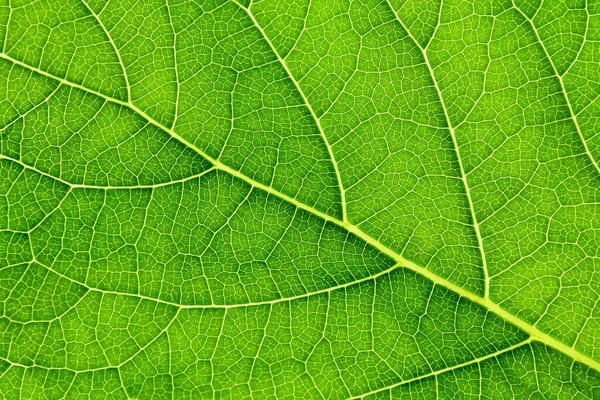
column 563, row 90
column 447, row 369
column 113, row 45
column 463, row 175
column 308, row 106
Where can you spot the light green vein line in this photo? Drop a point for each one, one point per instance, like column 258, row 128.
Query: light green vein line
column 534, row 332
column 215, row 306
column 308, row 106
column 6, row 30
column 48, row 320
column 48, row 215
column 114, row 46
column 105, row 187
column 485, row 302
column 32, row 109
column 121, row 382
column 177, row 82
column 463, row 175
column 562, row 88
column 119, row 365
column 448, row 369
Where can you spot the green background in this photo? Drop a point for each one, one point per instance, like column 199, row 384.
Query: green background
column 299, row 199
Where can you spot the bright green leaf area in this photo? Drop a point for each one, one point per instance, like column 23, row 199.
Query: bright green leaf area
column 299, row 199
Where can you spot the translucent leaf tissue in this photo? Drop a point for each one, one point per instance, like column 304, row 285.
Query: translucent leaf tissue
column 380, row 199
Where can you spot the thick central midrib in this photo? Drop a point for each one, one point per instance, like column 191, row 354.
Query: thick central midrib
column 534, row 332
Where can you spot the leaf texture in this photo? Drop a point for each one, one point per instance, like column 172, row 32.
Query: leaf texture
column 299, row 199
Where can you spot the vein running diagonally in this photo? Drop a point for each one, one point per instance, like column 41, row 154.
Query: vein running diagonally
column 559, row 77
column 213, row 305
column 114, row 46
column 32, row 109
column 463, row 175
column 10, row 9
column 447, row 369
column 105, row 187
column 535, row 333
column 307, row 104
column 177, row 81
column 165, row 330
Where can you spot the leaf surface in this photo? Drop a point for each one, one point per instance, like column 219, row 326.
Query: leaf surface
column 299, row 199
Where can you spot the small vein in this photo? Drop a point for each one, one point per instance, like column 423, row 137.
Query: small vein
column 8, row 19
column 218, row 306
column 178, row 84
column 563, row 90
column 308, row 106
column 119, row 365
column 105, row 187
column 32, row 109
column 584, row 37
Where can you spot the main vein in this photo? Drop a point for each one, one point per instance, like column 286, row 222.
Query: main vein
column 485, row 302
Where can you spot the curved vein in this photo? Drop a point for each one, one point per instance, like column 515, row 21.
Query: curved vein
column 32, row 109
column 177, row 83
column 71, row 185
column 308, row 106
column 485, row 302
column 114, row 46
column 463, row 174
column 119, row 365
column 6, row 30
column 214, row 306
column 447, row 369
column 563, row 90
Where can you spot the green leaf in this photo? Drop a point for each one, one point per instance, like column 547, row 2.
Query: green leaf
column 299, row 199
